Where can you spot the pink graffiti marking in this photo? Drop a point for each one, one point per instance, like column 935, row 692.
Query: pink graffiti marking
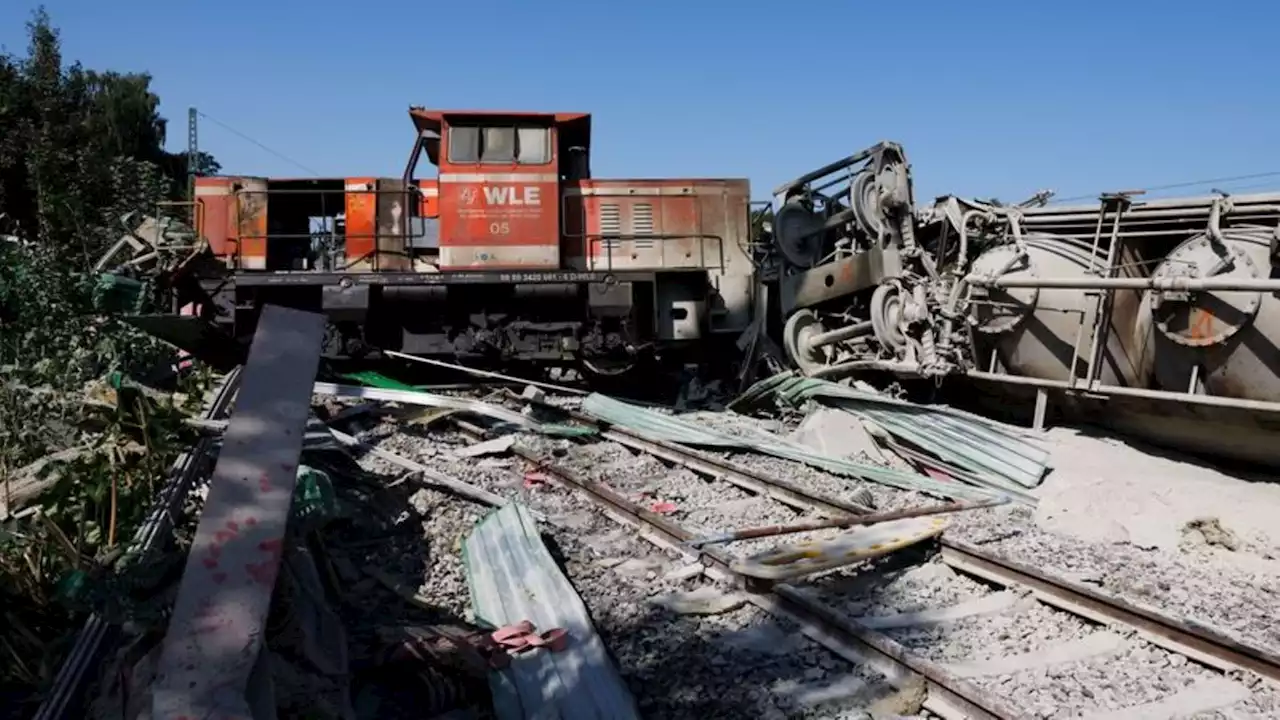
column 263, row 573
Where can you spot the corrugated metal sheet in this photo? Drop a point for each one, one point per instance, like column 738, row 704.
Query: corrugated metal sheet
column 512, row 578
column 672, row 429
column 415, row 397
column 983, row 450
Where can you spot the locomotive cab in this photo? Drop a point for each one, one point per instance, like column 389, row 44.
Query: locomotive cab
column 499, row 184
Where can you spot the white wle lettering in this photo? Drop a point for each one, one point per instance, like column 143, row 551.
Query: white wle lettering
column 512, row 196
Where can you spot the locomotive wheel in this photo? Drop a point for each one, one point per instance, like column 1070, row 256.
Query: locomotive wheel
column 795, row 338
column 604, row 367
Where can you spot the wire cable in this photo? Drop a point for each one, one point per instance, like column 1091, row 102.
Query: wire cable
column 1175, row 186
column 247, row 138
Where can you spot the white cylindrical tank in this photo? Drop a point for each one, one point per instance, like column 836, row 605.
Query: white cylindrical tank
column 1218, row 343
column 1034, row 331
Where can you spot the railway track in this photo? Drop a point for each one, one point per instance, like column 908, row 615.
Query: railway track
column 978, row 636
column 987, row 637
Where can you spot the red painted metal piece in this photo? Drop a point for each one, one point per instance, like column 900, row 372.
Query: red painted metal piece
column 217, row 210
column 251, row 222
column 669, row 224
column 499, row 220
column 429, row 206
column 361, row 241
column 233, row 218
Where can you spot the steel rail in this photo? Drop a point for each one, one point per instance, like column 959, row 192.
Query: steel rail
column 1172, row 633
column 69, row 683
column 1175, row 634
column 949, row 695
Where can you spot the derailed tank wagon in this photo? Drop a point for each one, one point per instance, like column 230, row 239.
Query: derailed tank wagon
column 496, row 245
column 1157, row 318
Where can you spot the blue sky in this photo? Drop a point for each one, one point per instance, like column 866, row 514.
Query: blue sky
column 1076, row 96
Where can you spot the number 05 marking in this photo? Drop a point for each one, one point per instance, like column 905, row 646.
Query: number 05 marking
column 499, row 228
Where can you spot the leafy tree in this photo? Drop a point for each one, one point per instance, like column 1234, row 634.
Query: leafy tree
column 79, row 149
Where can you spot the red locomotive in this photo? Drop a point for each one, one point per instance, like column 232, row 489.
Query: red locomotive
column 510, row 251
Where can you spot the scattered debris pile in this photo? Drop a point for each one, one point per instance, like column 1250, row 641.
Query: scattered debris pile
column 324, row 620
column 344, row 638
column 80, row 465
column 942, row 443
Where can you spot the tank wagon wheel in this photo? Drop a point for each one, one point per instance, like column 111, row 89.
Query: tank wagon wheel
column 796, row 334
column 886, row 316
column 866, row 201
column 790, row 223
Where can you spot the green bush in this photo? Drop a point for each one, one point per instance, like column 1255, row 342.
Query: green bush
column 79, row 151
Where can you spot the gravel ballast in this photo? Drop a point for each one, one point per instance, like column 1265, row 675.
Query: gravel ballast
column 742, row 663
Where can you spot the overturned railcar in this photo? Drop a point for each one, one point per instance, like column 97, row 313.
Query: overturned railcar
column 1158, row 318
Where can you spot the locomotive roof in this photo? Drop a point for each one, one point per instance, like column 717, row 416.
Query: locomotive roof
column 575, row 127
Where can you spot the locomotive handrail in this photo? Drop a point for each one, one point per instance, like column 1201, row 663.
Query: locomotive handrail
column 404, row 230
column 606, row 241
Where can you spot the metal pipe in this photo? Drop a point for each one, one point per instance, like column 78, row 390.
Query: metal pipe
column 844, row 368
column 1129, row 234
column 1200, row 201
column 963, row 252
column 1148, row 283
column 1134, row 222
column 827, row 169
column 831, row 337
column 1141, row 212
column 1120, row 391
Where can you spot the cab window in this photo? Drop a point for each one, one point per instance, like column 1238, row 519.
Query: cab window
column 499, row 144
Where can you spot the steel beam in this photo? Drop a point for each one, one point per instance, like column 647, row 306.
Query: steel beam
column 216, row 635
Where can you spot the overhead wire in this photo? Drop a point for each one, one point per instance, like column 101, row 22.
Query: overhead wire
column 1179, row 185
column 260, row 145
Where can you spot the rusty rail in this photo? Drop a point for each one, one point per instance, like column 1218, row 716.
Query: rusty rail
column 843, row 522
column 1175, row 634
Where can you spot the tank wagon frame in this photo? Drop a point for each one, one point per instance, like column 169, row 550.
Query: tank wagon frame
column 1158, row 318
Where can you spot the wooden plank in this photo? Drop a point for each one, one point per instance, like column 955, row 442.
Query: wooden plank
column 216, row 634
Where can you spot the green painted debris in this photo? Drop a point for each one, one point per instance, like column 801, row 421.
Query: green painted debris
column 970, row 448
column 673, row 429
column 119, row 294
column 314, row 499
column 380, row 387
column 378, row 380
